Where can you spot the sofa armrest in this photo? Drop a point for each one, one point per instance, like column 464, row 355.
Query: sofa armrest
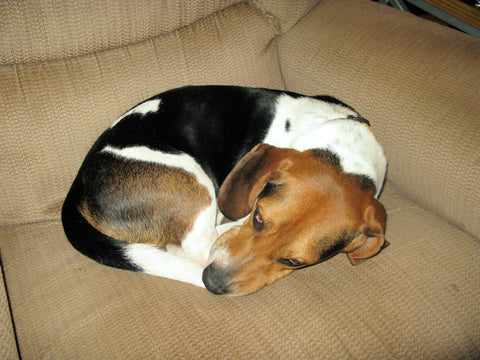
column 417, row 82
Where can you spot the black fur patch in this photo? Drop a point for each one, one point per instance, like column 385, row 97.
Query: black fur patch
column 288, row 125
column 326, row 156
column 359, row 119
column 271, row 188
column 363, row 182
column 343, row 240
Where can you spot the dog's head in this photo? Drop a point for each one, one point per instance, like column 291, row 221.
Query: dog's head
column 302, row 209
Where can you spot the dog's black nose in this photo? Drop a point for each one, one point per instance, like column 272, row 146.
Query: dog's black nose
column 215, row 279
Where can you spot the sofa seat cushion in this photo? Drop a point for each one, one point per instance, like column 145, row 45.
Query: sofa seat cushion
column 418, row 299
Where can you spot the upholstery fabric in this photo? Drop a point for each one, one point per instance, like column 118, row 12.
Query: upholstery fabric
column 415, row 300
column 283, row 14
column 68, row 103
column 421, row 116
column 37, row 30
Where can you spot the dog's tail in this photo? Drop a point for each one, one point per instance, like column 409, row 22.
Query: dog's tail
column 106, row 250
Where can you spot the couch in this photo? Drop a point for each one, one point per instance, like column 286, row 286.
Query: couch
column 69, row 68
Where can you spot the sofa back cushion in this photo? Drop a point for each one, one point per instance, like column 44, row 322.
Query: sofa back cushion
column 39, row 30
column 53, row 110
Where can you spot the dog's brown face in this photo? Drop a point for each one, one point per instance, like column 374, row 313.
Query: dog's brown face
column 303, row 209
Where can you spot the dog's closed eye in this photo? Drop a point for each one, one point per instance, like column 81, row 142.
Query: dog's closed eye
column 291, row 262
column 258, row 223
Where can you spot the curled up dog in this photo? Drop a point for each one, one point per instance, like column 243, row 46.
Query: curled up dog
column 297, row 176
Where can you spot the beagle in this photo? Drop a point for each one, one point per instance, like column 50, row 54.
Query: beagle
column 298, row 176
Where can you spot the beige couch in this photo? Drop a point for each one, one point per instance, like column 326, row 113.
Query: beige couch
column 69, row 68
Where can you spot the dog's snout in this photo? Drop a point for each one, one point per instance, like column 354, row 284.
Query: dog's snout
column 215, row 279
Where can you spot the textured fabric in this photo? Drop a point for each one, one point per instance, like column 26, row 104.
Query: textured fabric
column 67, row 104
column 8, row 346
column 38, row 30
column 414, row 80
column 283, row 14
column 413, row 301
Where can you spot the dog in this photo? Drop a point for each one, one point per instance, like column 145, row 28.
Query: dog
column 297, row 176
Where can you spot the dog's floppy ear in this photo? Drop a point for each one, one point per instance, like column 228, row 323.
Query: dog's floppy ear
column 372, row 237
column 248, row 178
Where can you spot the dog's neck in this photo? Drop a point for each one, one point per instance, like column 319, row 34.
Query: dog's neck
column 354, row 144
column 305, row 123
column 352, row 141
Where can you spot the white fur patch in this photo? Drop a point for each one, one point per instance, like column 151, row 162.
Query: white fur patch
column 143, row 109
column 198, row 242
column 302, row 113
column 158, row 262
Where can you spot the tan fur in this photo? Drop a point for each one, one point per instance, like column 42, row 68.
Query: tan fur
column 144, row 202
